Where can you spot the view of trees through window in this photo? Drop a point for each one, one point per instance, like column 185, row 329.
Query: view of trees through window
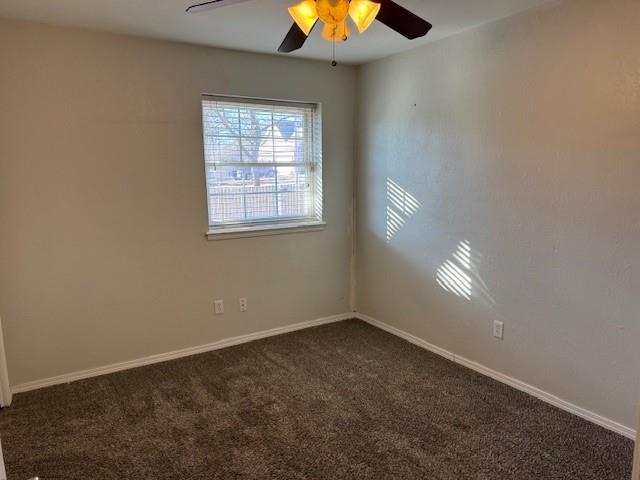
column 259, row 161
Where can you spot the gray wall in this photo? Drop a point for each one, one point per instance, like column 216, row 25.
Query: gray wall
column 516, row 146
column 103, row 208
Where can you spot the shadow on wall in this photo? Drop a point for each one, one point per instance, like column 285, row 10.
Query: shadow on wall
column 460, row 275
column 401, row 206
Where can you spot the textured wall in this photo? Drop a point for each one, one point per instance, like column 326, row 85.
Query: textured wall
column 103, row 209
column 498, row 180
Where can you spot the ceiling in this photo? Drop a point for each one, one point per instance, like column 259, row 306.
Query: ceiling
column 258, row 25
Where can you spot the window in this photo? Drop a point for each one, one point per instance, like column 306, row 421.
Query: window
column 263, row 165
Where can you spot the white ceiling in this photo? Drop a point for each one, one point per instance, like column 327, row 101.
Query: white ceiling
column 258, row 25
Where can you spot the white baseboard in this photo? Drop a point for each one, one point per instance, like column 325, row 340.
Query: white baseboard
column 636, row 458
column 5, row 389
column 163, row 357
column 512, row 382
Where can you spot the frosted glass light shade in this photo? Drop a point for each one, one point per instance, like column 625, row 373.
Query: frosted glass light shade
column 363, row 13
column 305, row 15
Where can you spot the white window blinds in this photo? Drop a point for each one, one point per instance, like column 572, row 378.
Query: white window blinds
column 263, row 161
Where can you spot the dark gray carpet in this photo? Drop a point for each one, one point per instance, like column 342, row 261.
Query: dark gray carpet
column 342, row 401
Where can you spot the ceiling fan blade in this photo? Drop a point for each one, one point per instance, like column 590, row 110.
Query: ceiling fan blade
column 201, row 7
column 402, row 20
column 294, row 39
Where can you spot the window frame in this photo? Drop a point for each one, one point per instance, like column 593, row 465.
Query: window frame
column 271, row 225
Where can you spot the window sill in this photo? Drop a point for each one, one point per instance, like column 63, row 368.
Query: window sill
column 262, row 230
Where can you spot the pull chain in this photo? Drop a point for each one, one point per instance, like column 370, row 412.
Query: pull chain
column 333, row 44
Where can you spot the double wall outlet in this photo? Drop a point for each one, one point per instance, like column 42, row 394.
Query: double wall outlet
column 243, row 304
column 218, row 306
column 498, row 329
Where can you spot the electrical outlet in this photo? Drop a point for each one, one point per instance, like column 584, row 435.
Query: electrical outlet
column 243, row 304
column 219, row 307
column 498, row 329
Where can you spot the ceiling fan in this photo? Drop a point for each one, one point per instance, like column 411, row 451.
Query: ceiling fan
column 334, row 14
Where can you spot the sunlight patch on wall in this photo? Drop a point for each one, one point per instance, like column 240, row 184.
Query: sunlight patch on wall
column 460, row 275
column 401, row 206
column 454, row 274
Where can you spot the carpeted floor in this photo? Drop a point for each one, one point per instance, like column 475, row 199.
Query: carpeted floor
column 342, row 401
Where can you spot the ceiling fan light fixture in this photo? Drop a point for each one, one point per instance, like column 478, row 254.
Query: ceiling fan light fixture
column 332, row 12
column 363, row 13
column 305, row 15
column 338, row 32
